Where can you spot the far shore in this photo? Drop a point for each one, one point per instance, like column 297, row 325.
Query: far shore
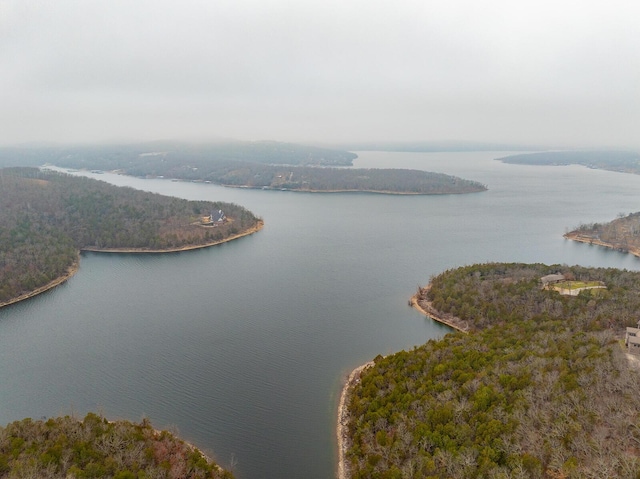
column 378, row 192
column 575, row 236
column 73, row 269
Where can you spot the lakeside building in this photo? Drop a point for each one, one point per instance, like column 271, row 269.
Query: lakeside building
column 632, row 340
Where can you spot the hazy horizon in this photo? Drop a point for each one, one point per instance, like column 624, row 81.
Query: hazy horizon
column 546, row 73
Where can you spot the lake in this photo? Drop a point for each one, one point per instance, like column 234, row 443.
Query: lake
column 242, row 348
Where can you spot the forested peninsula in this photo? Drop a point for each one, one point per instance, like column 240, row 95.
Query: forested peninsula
column 613, row 160
column 47, row 218
column 622, row 234
column 97, row 448
column 540, row 387
column 266, row 165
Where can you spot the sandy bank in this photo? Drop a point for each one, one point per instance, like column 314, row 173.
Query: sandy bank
column 73, row 269
column 574, row 236
column 344, row 442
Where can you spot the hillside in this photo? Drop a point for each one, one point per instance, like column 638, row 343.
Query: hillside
column 46, row 218
column 97, row 448
column 540, row 387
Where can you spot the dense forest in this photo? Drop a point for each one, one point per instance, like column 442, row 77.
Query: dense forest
column 245, row 164
column 46, row 218
column 623, row 233
column 540, row 388
column 97, row 448
column 613, row 160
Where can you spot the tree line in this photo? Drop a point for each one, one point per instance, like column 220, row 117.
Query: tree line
column 47, row 217
column 540, row 388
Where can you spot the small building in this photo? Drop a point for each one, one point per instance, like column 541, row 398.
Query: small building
column 632, row 340
column 217, row 217
column 551, row 279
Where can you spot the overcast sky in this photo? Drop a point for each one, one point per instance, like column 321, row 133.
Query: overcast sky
column 559, row 72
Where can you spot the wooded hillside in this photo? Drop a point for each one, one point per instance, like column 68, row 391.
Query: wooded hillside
column 541, row 389
column 47, row 217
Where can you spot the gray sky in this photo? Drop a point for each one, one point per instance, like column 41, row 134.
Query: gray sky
column 561, row 72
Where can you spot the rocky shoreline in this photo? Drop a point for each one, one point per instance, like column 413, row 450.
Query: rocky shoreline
column 575, row 236
column 342, row 431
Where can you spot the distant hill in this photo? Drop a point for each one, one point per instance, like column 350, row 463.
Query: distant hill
column 434, row 146
column 124, row 156
column 267, row 165
column 625, row 161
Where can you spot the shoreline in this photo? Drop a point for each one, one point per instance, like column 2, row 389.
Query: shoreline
column 573, row 236
column 342, row 433
column 250, row 231
column 426, row 308
column 378, row 192
column 73, row 269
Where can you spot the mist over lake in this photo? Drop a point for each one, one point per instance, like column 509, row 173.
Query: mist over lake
column 242, row 347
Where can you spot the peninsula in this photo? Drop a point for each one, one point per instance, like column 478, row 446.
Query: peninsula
column 529, row 392
column 47, row 218
column 263, row 165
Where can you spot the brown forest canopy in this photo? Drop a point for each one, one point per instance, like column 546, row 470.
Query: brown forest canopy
column 46, row 217
column 541, row 387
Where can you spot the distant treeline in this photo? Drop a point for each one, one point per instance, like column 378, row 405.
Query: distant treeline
column 434, row 146
column 66, row 447
column 47, row 217
column 541, row 387
column 248, row 164
column 613, row 160
column 144, row 155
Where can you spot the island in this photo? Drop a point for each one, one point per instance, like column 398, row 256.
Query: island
column 263, row 165
column 621, row 234
column 47, row 218
column 95, row 447
column 540, row 385
column 624, row 161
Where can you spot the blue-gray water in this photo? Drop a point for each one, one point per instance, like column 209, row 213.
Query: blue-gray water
column 242, row 348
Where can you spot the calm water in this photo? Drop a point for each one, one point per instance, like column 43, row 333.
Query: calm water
column 242, row 348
